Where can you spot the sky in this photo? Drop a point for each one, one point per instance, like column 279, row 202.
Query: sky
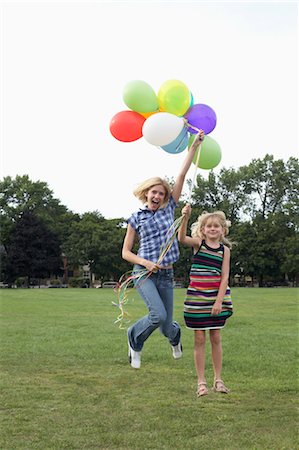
column 64, row 66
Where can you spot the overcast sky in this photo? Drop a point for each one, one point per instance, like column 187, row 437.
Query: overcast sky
column 65, row 64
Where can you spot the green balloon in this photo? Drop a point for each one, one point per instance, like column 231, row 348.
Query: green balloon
column 140, row 96
column 210, row 153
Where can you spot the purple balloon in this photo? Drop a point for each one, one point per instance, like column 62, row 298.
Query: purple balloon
column 202, row 117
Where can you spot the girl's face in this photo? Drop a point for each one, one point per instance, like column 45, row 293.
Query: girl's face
column 213, row 229
column 155, row 197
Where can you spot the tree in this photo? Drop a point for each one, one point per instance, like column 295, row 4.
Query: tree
column 97, row 242
column 272, row 185
column 225, row 192
column 21, row 194
column 33, row 251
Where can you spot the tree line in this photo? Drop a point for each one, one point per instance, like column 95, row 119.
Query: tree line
column 41, row 238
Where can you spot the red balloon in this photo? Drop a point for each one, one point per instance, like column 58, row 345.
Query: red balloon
column 126, row 126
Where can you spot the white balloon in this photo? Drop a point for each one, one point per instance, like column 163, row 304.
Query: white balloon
column 162, row 128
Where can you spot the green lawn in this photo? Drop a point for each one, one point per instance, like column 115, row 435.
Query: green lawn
column 66, row 382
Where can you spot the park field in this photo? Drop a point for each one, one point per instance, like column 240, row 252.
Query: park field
column 66, row 382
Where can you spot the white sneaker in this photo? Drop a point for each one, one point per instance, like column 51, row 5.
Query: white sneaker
column 134, row 357
column 177, row 351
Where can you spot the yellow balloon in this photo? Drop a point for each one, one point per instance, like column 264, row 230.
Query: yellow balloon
column 174, row 97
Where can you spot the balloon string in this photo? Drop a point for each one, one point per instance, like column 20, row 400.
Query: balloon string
column 129, row 279
column 191, row 126
column 125, row 285
column 195, row 172
column 188, row 125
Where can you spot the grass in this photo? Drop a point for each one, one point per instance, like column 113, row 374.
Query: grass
column 66, row 382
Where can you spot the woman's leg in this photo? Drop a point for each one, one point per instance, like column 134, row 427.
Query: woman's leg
column 144, row 327
column 168, row 327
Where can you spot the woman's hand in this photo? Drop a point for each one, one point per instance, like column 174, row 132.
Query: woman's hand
column 151, row 266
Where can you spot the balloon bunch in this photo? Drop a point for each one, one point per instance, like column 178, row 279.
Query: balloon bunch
column 168, row 120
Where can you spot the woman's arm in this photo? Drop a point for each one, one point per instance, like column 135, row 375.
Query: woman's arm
column 179, row 182
column 131, row 257
column 223, row 283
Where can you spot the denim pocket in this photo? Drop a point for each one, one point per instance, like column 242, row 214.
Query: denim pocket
column 166, row 278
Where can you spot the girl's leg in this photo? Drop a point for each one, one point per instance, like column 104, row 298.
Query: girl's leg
column 215, row 339
column 199, row 360
column 199, row 354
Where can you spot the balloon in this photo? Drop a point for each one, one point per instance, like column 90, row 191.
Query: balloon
column 162, row 128
column 148, row 114
column 174, row 97
column 179, row 144
column 202, row 117
column 210, row 153
column 126, row 126
column 191, row 100
column 140, row 96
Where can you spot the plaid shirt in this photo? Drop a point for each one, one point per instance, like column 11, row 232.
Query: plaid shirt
column 151, row 228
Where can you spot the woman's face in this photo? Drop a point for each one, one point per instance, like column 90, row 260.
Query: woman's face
column 155, row 197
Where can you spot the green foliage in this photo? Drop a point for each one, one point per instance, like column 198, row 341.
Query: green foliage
column 224, row 193
column 66, row 382
column 76, row 282
column 33, row 250
column 273, row 184
column 21, row 194
column 261, row 200
column 97, row 242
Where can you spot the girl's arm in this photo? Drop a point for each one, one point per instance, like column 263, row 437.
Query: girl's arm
column 131, row 257
column 223, row 283
column 179, row 182
column 182, row 233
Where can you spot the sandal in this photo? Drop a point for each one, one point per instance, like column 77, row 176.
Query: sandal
column 202, row 389
column 219, row 386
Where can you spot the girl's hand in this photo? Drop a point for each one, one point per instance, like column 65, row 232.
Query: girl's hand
column 216, row 308
column 186, row 210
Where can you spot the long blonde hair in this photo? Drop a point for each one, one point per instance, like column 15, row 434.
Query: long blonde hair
column 142, row 189
column 198, row 226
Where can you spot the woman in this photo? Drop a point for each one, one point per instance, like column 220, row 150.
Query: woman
column 151, row 224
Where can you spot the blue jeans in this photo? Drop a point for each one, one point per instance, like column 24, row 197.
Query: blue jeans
column 157, row 293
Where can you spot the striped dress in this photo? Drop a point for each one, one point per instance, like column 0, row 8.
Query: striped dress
column 205, row 277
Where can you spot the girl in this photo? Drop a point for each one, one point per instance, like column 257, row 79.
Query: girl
column 150, row 224
column 208, row 302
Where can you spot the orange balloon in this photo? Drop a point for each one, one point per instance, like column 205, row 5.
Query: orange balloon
column 148, row 114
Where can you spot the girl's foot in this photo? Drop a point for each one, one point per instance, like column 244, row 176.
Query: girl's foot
column 202, row 389
column 219, row 386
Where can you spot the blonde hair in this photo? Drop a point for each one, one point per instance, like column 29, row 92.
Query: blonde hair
column 219, row 216
column 142, row 189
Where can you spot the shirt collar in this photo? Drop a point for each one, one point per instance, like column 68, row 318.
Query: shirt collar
column 145, row 209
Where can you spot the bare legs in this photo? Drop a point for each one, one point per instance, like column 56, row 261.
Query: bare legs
column 199, row 360
column 199, row 356
column 216, row 345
